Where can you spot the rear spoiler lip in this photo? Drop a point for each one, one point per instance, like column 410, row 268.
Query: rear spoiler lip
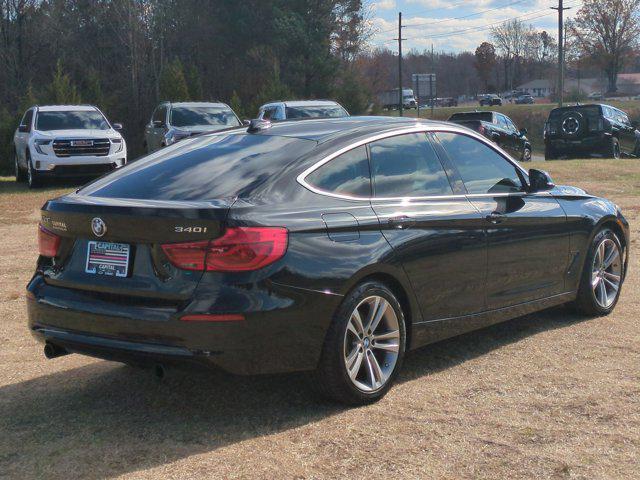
column 74, row 203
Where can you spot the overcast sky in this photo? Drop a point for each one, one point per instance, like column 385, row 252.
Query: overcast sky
column 454, row 25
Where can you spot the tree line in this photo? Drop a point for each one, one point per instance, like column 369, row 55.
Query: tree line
column 127, row 55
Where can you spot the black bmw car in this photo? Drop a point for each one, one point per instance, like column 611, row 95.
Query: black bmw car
column 331, row 246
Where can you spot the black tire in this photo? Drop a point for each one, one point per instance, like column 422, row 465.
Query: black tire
column 613, row 149
column 33, row 179
column 586, row 302
column 526, row 154
column 19, row 172
column 331, row 378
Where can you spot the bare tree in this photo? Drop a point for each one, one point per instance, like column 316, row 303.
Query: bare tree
column 510, row 39
column 607, row 31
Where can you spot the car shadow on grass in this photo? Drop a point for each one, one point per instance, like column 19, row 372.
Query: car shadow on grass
column 105, row 420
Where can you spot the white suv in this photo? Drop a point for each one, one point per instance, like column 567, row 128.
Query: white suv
column 66, row 141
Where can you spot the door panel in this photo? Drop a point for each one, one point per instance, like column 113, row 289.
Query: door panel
column 442, row 247
column 527, row 238
column 437, row 236
column 528, row 247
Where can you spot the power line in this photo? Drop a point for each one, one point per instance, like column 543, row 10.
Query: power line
column 474, row 14
column 530, row 16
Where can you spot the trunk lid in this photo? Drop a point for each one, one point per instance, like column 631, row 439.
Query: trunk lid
column 142, row 225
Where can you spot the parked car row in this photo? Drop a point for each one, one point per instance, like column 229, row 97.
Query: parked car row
column 78, row 141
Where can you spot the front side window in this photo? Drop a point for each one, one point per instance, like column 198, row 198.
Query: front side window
column 202, row 116
column 482, row 169
column 347, row 174
column 26, row 120
column 160, row 114
column 407, row 166
column 71, row 120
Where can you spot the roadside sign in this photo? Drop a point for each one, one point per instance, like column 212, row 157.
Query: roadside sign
column 424, row 85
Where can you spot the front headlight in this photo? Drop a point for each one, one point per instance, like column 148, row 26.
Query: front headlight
column 38, row 144
column 118, row 144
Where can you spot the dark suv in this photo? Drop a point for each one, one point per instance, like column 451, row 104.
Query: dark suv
column 590, row 129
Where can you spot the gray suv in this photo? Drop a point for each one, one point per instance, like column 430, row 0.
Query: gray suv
column 173, row 121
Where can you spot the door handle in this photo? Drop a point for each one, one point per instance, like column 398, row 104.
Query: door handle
column 495, row 218
column 401, row 222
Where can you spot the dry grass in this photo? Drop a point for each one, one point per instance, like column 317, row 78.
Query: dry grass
column 551, row 395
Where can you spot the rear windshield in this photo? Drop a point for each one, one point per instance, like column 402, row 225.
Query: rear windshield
column 482, row 116
column 316, row 112
column 202, row 116
column 589, row 111
column 202, row 168
column 71, row 120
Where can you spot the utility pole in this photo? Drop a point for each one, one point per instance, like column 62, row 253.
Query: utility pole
column 400, row 104
column 433, row 72
column 560, row 10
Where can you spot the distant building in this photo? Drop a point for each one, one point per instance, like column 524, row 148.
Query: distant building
column 537, row 88
column 628, row 84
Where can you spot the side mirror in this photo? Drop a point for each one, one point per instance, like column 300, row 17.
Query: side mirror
column 523, row 132
column 23, row 128
column 539, row 181
column 158, row 124
column 117, row 126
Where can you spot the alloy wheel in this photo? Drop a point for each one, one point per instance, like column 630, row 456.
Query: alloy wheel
column 371, row 344
column 606, row 273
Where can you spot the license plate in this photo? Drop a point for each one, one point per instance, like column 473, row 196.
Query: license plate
column 108, row 258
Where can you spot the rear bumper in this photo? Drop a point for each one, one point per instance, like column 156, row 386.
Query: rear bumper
column 591, row 144
column 277, row 335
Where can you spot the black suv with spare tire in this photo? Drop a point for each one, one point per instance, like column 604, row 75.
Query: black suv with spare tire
column 590, row 130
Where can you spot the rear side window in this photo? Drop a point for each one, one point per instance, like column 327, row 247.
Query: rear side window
column 470, row 116
column 407, row 166
column 347, row 174
column 482, row 169
column 203, row 168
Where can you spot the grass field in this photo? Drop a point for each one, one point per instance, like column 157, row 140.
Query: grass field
column 531, row 117
column 550, row 395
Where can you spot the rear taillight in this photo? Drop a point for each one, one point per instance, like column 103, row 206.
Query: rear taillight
column 48, row 242
column 240, row 249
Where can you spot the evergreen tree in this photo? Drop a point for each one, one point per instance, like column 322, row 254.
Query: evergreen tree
column 236, row 104
column 194, row 84
column 61, row 90
column 173, row 84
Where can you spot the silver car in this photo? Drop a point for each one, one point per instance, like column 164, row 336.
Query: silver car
column 173, row 121
column 290, row 109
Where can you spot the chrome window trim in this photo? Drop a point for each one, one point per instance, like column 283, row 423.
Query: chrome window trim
column 418, row 128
